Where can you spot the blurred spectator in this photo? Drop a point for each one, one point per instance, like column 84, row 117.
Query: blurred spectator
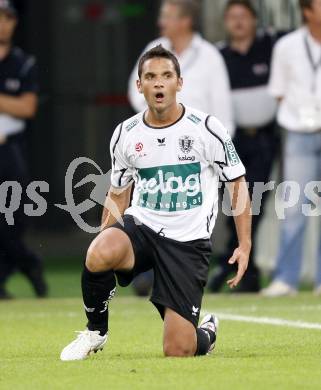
column 18, row 102
column 206, row 85
column 247, row 54
column 205, row 78
column 296, row 82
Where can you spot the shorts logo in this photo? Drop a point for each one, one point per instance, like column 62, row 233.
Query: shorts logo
column 170, row 187
column 139, row 147
column 186, row 143
column 232, row 155
column 195, row 311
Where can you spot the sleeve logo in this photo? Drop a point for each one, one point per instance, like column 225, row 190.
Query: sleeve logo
column 232, row 155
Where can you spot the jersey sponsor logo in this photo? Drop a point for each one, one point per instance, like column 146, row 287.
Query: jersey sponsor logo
column 139, row 147
column 232, row 155
column 170, row 187
column 161, row 141
column 194, row 119
column 186, row 158
column 131, row 125
column 186, row 143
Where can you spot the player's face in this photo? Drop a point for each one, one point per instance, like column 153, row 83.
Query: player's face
column 313, row 14
column 7, row 26
column 171, row 22
column 159, row 83
column 239, row 22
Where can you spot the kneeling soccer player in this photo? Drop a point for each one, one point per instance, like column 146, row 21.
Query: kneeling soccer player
column 175, row 155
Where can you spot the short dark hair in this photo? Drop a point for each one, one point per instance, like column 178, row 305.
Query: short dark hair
column 158, row 52
column 244, row 3
column 190, row 8
column 303, row 5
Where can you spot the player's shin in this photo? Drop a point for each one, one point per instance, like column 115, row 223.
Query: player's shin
column 98, row 288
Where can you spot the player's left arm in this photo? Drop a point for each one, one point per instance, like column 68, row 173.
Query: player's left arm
column 223, row 155
column 23, row 106
column 241, row 206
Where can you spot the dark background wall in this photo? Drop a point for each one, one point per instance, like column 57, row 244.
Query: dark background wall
column 85, row 50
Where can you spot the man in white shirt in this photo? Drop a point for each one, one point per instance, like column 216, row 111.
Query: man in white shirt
column 206, row 85
column 296, row 82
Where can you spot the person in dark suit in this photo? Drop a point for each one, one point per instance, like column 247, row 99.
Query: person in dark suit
column 18, row 103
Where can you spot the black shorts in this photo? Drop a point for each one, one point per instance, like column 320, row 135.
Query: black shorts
column 180, row 268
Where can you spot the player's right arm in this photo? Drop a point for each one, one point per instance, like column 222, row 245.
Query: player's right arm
column 118, row 197
column 117, row 201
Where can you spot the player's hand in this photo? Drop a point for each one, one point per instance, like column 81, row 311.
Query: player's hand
column 241, row 257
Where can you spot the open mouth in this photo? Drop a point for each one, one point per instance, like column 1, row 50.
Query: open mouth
column 159, row 97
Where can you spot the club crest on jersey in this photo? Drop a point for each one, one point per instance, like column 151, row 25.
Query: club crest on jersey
column 186, row 143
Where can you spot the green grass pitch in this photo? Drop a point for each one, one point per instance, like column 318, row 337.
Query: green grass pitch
column 248, row 355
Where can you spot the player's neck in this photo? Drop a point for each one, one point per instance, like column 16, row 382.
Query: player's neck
column 167, row 117
column 4, row 50
column 181, row 42
column 242, row 45
column 315, row 31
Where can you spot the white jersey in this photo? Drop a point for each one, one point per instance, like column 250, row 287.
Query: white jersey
column 176, row 170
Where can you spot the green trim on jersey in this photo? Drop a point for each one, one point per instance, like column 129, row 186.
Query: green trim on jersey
column 170, row 187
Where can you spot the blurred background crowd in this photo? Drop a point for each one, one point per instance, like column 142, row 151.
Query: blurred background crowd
column 70, row 66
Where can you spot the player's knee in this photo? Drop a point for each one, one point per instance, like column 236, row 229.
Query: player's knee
column 97, row 259
column 177, row 349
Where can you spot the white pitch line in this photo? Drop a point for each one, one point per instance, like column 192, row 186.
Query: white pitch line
column 268, row 321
